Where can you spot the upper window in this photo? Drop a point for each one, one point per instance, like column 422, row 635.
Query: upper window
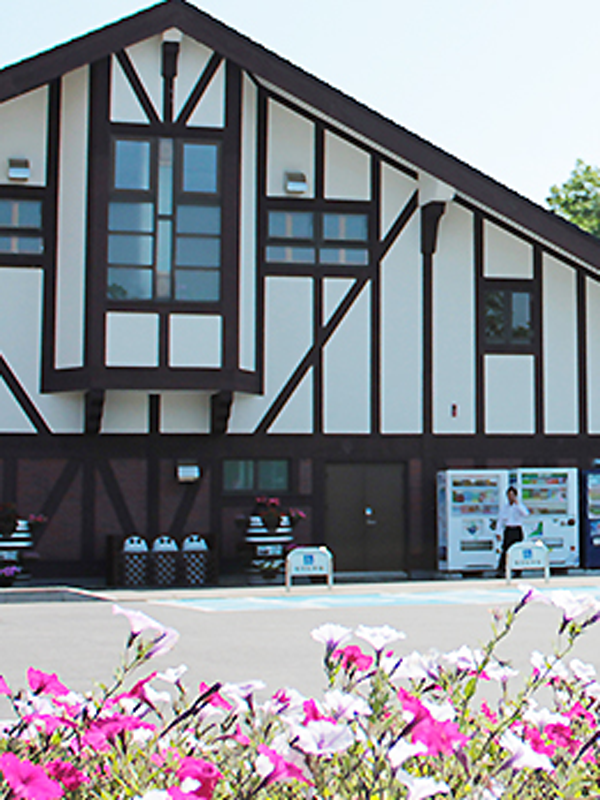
column 266, row 475
column 164, row 221
column 327, row 238
column 508, row 317
column 21, row 227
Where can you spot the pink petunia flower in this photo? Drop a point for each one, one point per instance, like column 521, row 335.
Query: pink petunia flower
column 274, row 767
column 352, row 658
column 45, row 683
column 28, row 781
column 4, row 687
column 198, row 779
column 65, row 772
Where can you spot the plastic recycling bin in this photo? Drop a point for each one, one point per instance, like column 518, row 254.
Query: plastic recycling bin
column 135, row 561
column 195, row 559
column 164, row 560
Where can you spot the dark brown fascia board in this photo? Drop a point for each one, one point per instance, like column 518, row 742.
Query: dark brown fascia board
column 253, row 57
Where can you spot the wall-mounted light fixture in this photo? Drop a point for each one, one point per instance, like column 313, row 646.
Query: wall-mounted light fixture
column 19, row 169
column 295, row 183
column 188, row 471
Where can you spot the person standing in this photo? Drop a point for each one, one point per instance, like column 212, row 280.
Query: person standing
column 510, row 522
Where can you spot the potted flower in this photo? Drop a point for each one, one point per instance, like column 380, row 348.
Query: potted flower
column 268, row 533
column 8, row 574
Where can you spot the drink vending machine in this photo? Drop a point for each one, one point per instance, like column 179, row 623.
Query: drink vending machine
column 590, row 539
column 469, row 503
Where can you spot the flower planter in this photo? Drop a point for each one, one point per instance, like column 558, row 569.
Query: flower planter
column 267, row 549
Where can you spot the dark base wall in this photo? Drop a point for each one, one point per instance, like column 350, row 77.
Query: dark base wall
column 93, row 487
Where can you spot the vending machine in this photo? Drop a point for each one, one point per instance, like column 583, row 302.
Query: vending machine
column 590, row 539
column 469, row 502
column 551, row 494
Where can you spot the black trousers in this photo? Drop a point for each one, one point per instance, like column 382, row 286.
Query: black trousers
column 512, row 534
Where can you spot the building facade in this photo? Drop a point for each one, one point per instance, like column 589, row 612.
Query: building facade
column 214, row 265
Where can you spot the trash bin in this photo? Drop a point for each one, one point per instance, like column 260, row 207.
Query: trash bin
column 164, row 560
column 135, row 561
column 195, row 559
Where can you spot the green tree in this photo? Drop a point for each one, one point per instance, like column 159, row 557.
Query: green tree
column 578, row 199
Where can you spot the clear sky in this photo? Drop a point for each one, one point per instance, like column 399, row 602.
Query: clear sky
column 509, row 86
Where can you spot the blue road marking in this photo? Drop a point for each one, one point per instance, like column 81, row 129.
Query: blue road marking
column 470, row 596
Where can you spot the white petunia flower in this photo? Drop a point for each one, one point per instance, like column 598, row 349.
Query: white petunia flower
column 322, row 737
column 464, row 658
column 583, row 672
column 416, row 666
column 342, row 705
column 404, row 750
column 380, row 636
column 420, row 788
column 540, row 717
column 550, row 664
column 524, row 756
column 331, row 635
column 172, row 674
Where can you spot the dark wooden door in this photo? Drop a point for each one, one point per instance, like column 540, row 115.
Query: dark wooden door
column 365, row 516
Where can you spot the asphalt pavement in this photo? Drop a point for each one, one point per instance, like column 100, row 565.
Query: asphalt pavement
column 245, row 633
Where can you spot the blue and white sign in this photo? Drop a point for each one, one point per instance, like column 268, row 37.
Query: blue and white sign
column 308, row 561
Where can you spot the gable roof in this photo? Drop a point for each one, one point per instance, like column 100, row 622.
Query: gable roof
column 466, row 180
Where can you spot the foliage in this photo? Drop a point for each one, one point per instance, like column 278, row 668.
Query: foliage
column 578, row 198
column 388, row 726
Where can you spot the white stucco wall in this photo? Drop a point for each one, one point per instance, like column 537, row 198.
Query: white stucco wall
column 402, row 334
column 454, row 344
column 396, row 190
column 247, row 313
column 347, row 170
column 288, row 337
column 559, row 349
column 347, row 371
column 72, row 220
column 290, row 148
column 184, row 412
column 24, row 126
column 505, row 255
column 593, row 354
column 132, row 339
column 193, row 58
column 195, row 340
column 125, row 412
column 509, row 394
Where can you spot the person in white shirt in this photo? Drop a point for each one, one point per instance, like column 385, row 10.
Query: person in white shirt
column 511, row 522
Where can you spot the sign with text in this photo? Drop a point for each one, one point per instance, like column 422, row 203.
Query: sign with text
column 528, row 555
column 308, row 562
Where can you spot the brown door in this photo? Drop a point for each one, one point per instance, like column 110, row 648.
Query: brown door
column 365, row 516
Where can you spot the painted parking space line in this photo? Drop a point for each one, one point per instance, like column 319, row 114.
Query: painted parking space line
column 470, row 596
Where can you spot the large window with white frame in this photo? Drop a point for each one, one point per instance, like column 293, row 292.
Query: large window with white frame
column 164, row 220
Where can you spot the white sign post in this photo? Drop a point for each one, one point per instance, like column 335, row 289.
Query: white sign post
column 528, row 555
column 308, row 561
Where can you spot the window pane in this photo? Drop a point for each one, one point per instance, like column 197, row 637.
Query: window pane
column 521, row 317
column 291, row 225
column 132, row 164
column 131, row 217
column 200, row 285
column 123, row 249
column 273, row 476
column 165, row 176
column 198, row 219
column 291, row 255
column 200, row 167
column 348, row 227
column 193, row 251
column 21, row 244
column 129, row 284
column 20, row 213
column 494, row 316
column 238, row 476
column 340, row 255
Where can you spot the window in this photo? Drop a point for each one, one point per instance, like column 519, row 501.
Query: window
column 508, row 318
column 164, row 221
column 325, row 238
column 256, row 476
column 21, row 226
